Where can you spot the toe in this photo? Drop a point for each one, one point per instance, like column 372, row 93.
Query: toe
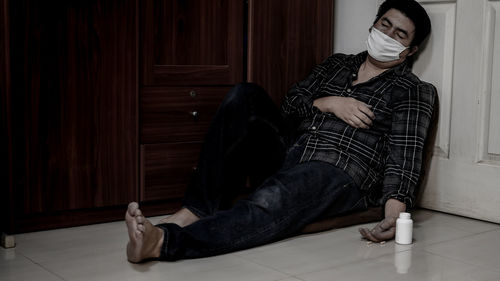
column 137, row 212
column 140, row 219
column 141, row 227
column 132, row 208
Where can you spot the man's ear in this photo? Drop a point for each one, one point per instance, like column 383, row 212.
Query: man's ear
column 413, row 50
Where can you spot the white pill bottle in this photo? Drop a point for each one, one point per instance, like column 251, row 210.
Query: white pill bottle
column 404, row 229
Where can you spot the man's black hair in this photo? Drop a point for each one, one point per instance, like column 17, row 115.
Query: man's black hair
column 414, row 11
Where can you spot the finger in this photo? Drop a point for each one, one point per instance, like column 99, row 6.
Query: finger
column 367, row 111
column 367, row 234
column 351, row 123
column 384, row 235
column 364, row 119
column 358, row 122
column 363, row 231
column 387, row 223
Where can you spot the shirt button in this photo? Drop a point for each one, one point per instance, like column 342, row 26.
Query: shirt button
column 348, row 90
column 354, row 75
column 313, row 128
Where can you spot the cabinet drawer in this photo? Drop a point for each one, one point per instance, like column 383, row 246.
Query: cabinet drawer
column 180, row 114
column 166, row 169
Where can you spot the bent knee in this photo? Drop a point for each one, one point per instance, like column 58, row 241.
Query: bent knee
column 269, row 197
column 244, row 94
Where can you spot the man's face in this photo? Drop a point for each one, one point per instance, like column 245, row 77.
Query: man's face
column 399, row 27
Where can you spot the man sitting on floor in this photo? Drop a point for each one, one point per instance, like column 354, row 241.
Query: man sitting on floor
column 348, row 137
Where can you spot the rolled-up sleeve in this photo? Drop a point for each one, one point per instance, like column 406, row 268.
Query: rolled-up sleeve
column 411, row 118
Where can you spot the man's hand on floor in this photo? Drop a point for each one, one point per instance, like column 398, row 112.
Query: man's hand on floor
column 383, row 231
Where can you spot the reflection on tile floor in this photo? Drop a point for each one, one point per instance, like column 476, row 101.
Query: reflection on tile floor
column 446, row 248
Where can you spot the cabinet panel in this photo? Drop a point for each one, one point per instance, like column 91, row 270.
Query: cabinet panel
column 74, row 104
column 178, row 114
column 286, row 39
column 166, row 169
column 192, row 42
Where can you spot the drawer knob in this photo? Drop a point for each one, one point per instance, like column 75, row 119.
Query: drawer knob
column 192, row 93
column 194, row 113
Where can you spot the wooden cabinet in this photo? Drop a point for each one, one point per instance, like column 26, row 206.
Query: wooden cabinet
column 108, row 101
column 192, row 49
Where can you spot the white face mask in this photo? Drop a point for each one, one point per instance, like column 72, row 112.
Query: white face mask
column 382, row 47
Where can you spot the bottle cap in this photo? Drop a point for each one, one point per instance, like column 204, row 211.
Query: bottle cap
column 404, row 215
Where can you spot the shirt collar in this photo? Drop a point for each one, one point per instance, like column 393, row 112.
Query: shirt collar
column 357, row 60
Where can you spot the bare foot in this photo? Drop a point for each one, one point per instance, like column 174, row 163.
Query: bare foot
column 182, row 218
column 145, row 239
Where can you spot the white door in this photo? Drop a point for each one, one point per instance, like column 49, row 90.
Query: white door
column 462, row 59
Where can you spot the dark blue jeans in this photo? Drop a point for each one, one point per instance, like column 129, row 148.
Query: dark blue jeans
column 249, row 139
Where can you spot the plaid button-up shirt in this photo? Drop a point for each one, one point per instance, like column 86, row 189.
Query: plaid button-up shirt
column 384, row 160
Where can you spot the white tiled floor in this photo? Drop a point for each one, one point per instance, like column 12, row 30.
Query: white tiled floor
column 446, row 248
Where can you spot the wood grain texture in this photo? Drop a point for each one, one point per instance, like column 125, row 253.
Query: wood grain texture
column 192, row 42
column 75, row 96
column 167, row 169
column 287, row 38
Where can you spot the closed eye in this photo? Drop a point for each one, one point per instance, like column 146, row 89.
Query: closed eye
column 402, row 33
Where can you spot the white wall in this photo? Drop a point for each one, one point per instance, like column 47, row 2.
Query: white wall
column 353, row 18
